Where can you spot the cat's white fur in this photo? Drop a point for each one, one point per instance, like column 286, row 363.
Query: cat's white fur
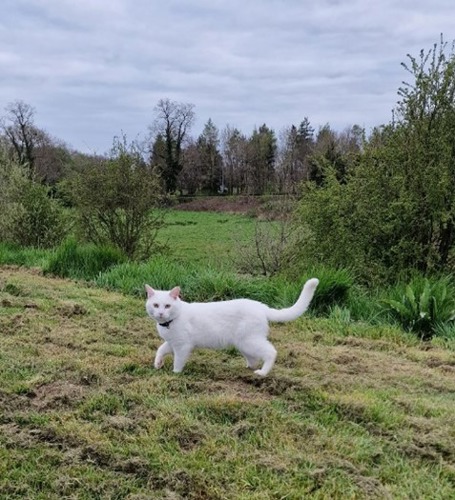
column 241, row 323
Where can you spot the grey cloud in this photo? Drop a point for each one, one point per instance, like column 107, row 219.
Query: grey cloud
column 93, row 68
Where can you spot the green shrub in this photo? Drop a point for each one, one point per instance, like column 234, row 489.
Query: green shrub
column 72, row 260
column 38, row 219
column 423, row 306
column 30, row 216
column 114, row 198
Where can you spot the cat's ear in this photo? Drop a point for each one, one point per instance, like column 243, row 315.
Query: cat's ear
column 175, row 292
column 150, row 291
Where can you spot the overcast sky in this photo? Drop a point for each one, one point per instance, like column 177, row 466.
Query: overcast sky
column 95, row 68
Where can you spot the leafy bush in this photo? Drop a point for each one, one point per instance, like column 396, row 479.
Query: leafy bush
column 71, row 260
column 392, row 210
column 38, row 219
column 114, row 199
column 423, row 306
column 30, row 215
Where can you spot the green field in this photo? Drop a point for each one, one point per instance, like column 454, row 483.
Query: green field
column 205, row 237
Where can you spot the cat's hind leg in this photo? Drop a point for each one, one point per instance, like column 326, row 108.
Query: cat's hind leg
column 255, row 349
column 267, row 353
column 164, row 349
column 251, row 361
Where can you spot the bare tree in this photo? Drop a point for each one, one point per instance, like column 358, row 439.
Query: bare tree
column 190, row 178
column 42, row 156
column 19, row 128
column 234, row 151
column 172, row 123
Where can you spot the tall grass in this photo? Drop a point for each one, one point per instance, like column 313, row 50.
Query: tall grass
column 333, row 289
column 209, row 284
column 73, row 260
column 197, row 283
column 23, row 256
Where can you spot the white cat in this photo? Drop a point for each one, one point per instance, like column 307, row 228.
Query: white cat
column 241, row 323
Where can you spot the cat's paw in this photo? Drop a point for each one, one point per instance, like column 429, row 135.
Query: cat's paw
column 159, row 363
column 261, row 373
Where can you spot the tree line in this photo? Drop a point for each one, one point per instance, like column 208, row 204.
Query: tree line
column 216, row 162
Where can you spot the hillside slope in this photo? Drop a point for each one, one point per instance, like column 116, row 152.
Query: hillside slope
column 84, row 415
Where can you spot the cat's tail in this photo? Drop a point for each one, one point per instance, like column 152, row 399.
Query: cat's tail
column 291, row 313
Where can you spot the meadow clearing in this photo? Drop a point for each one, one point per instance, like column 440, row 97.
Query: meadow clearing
column 350, row 410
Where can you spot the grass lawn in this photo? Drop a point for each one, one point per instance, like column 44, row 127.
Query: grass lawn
column 84, row 415
column 205, row 237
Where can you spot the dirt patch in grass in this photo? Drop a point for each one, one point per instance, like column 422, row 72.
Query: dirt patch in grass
column 227, row 204
column 56, row 395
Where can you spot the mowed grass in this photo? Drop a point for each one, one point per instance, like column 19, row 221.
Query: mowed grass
column 207, row 238
column 84, row 415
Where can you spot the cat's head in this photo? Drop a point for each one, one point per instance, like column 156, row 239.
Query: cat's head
column 162, row 305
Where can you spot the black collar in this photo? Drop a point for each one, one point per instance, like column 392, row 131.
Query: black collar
column 166, row 325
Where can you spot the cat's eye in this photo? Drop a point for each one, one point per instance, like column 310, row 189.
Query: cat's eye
column 167, row 306
column 156, row 306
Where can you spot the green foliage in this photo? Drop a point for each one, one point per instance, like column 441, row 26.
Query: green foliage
column 423, row 306
column 39, row 220
column 446, row 331
column 393, row 210
column 30, row 215
column 365, row 305
column 326, row 219
column 158, row 272
column 114, row 199
column 213, row 285
column 72, row 260
column 210, row 284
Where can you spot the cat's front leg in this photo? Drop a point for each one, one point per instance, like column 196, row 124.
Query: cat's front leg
column 181, row 355
column 160, row 353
